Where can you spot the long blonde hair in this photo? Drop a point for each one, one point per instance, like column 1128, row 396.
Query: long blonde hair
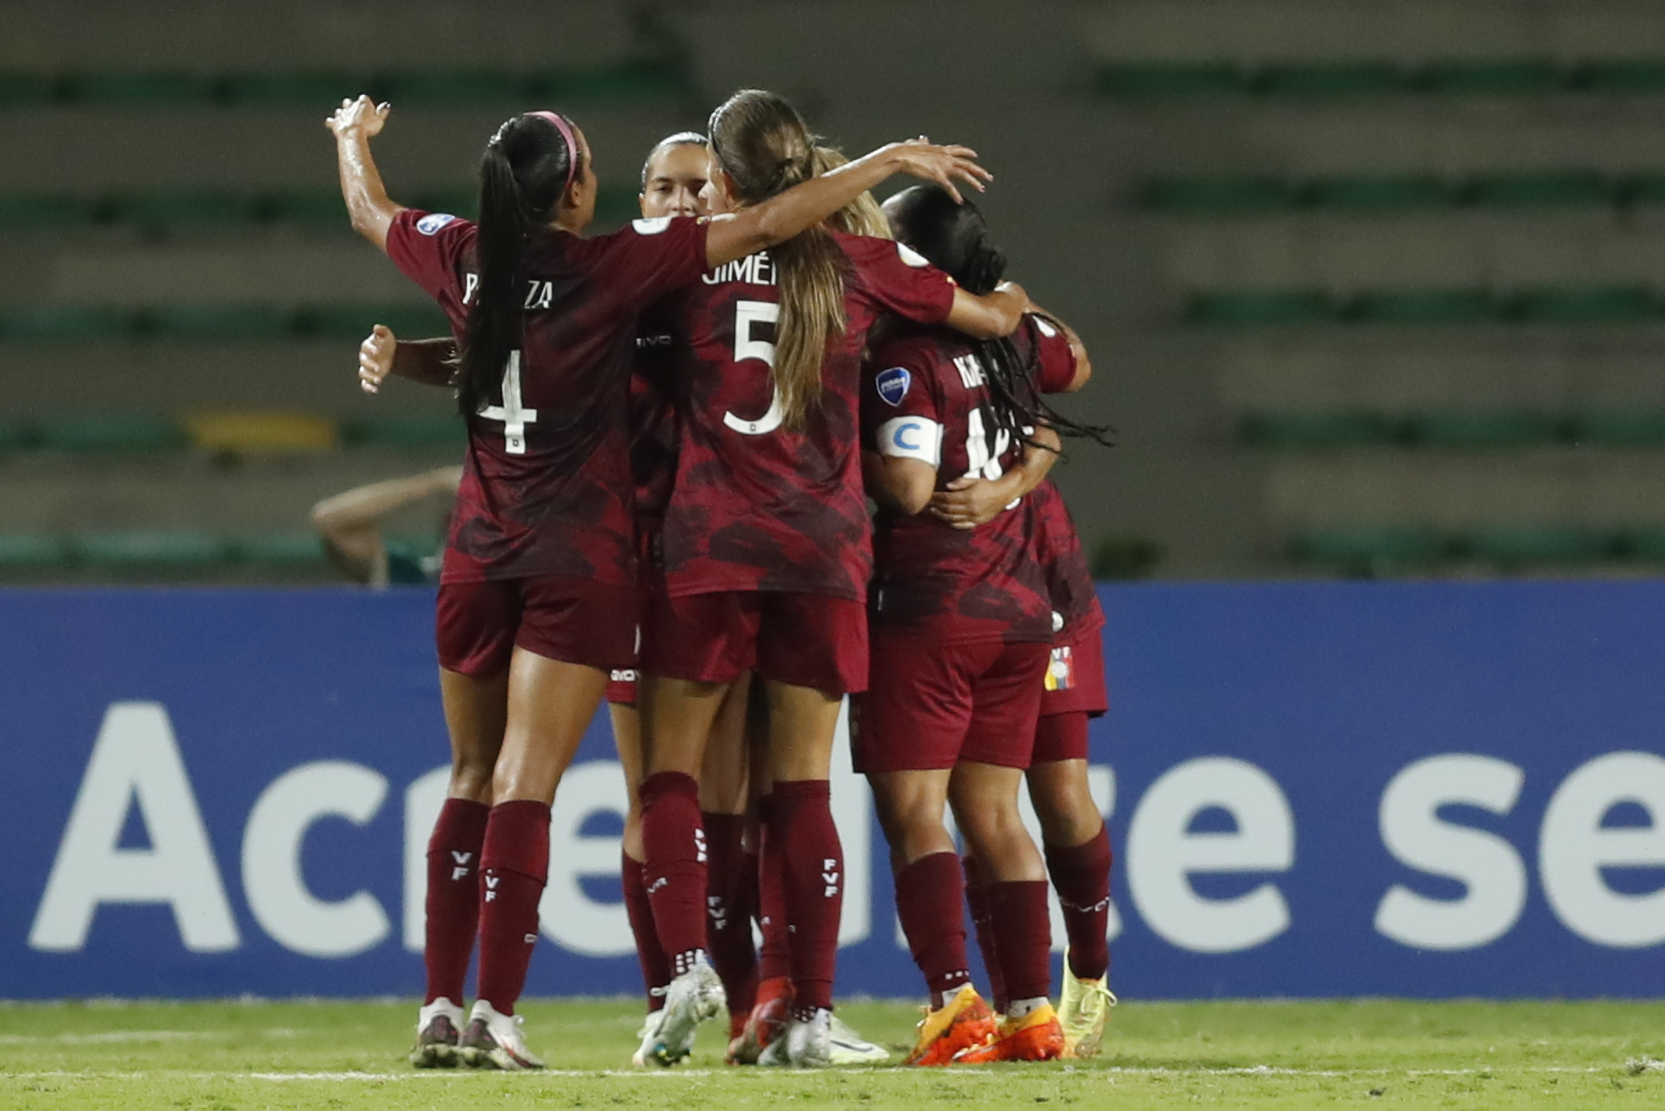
column 764, row 146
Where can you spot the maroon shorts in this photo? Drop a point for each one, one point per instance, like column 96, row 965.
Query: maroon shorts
column 1075, row 677
column 479, row 624
column 930, row 705
column 805, row 640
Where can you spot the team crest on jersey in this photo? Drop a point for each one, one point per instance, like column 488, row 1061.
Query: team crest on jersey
column 1060, row 674
column 651, row 225
column 893, row 385
column 433, row 221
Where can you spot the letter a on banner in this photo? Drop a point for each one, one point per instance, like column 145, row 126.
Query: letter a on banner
column 135, row 763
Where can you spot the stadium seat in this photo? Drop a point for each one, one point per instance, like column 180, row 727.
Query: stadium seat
column 45, row 323
column 1369, row 550
column 1330, row 79
column 182, row 550
column 1315, row 430
column 1423, row 306
column 440, row 428
column 1378, row 192
column 1600, row 305
column 1229, row 196
column 1170, row 79
column 1565, row 188
column 1536, row 545
column 112, row 432
column 227, row 322
column 1272, row 308
column 1620, row 428
column 239, row 432
column 1481, row 429
column 1502, row 77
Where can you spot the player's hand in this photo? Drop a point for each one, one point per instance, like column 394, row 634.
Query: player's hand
column 967, row 502
column 375, row 357
column 358, row 117
column 942, row 164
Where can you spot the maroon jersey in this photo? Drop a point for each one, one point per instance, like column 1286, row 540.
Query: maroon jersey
column 758, row 506
column 1064, row 563
column 546, row 486
column 927, row 398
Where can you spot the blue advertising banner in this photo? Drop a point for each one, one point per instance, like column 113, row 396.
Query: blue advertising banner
column 1313, row 789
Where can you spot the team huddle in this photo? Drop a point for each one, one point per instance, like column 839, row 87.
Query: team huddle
column 676, row 435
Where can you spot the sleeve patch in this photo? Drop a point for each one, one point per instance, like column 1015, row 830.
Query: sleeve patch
column 893, row 385
column 911, row 438
column 911, row 256
column 651, row 226
column 433, row 221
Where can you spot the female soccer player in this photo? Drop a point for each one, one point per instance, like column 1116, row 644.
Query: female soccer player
column 962, row 633
column 766, row 549
column 538, row 592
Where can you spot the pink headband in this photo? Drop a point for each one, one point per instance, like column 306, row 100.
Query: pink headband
column 565, row 129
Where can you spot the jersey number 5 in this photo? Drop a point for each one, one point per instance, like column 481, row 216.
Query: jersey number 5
column 512, row 413
column 746, row 314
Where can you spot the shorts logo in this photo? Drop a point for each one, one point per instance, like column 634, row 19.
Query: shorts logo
column 1060, row 673
column 433, row 221
column 651, row 225
column 893, row 385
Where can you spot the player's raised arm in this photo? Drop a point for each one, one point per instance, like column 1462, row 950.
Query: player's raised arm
column 784, row 215
column 371, row 210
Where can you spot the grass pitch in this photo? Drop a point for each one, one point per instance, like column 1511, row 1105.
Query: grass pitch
column 350, row 1056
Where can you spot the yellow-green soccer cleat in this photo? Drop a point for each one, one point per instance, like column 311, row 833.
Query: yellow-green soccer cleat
column 1083, row 1010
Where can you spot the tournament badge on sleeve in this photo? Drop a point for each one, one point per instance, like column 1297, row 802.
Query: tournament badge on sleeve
column 1060, row 673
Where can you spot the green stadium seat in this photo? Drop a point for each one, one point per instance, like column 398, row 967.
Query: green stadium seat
column 188, row 209
column 1223, row 195
column 151, row 550
column 229, row 322
column 1273, row 308
column 44, row 212
column 1624, row 76
column 1169, row 79
column 28, row 551
column 439, row 428
column 1368, row 550
column 1620, row 428
column 321, row 88
column 1567, row 189
column 1529, row 545
column 18, row 89
column 111, row 432
column 451, row 87
column 138, row 87
column 353, row 322
column 1376, row 192
column 1423, row 306
column 283, row 549
column 1482, row 429
column 1331, row 79
column 46, row 323
column 1513, row 77
column 1315, row 430
column 1600, row 305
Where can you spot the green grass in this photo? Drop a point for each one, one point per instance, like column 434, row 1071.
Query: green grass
column 350, row 1056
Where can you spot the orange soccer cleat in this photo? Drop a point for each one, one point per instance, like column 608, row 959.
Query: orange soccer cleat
column 1036, row 1036
column 962, row 1022
column 769, row 1017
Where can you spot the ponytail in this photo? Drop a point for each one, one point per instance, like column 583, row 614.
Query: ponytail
column 526, row 168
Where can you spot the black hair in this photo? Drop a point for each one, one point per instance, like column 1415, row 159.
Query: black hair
column 954, row 237
column 523, row 172
column 680, row 139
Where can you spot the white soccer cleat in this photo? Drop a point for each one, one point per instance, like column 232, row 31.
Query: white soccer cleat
column 850, row 1048
column 804, row 1044
column 438, row 1028
column 494, row 1041
column 693, row 997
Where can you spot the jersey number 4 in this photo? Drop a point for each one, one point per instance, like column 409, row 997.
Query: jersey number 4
column 514, row 415
column 747, row 314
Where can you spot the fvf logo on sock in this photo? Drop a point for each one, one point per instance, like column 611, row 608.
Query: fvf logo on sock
column 491, row 887
column 829, row 876
column 462, row 860
column 699, row 845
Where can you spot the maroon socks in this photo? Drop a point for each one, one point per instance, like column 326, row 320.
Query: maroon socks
column 1081, row 874
column 675, row 871
column 514, row 866
column 453, row 901
column 1022, row 935
column 814, row 886
column 656, row 967
column 929, row 894
column 728, row 909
